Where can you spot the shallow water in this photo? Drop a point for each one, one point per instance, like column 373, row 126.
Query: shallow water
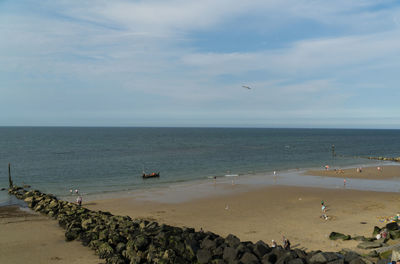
column 101, row 161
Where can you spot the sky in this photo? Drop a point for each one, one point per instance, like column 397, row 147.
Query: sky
column 310, row 63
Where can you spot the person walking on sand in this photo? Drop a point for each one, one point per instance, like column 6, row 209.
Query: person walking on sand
column 344, row 182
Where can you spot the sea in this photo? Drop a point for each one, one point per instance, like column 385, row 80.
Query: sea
column 111, row 160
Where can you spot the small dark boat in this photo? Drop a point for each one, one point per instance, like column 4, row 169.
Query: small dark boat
column 151, row 175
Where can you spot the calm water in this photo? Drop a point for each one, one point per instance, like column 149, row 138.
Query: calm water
column 98, row 160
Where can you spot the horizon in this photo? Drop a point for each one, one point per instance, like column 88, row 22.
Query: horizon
column 263, row 64
column 205, row 127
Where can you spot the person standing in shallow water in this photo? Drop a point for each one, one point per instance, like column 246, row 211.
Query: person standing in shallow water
column 79, row 200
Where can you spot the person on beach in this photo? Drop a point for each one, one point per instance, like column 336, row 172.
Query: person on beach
column 79, row 200
column 344, row 182
column 286, row 243
column 273, row 244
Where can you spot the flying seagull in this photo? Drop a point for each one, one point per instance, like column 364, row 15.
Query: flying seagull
column 247, row 87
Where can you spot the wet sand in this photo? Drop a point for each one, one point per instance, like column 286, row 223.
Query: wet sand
column 370, row 173
column 270, row 212
column 33, row 238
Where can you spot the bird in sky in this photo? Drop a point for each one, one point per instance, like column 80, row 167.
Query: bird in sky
column 247, row 87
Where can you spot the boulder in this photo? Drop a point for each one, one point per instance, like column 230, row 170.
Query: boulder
column 270, row 257
column 335, row 235
column 297, row 261
column 249, row 258
column 357, row 261
column 232, row 240
column 203, row 256
column 260, row 249
column 208, row 244
column 392, row 226
column 324, row 257
column 140, row 242
column 369, row 245
column 350, row 255
column 230, row 254
column 72, row 233
column 376, row 231
column 394, row 234
column 104, row 250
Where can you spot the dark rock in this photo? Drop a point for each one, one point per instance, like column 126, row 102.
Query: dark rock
column 324, row 257
column 300, row 253
column 373, row 254
column 203, row 256
column 120, row 247
column 297, row 261
column 260, row 249
column 350, row 255
column 376, row 231
column 141, row 242
column 357, row 261
column 191, row 247
column 115, row 259
column 270, row 257
column 94, row 244
column 392, row 226
column 242, row 248
column 394, row 234
column 72, row 233
column 286, row 257
column 335, row 235
column 230, row 254
column 208, row 244
column 337, row 261
column 249, row 258
column 232, row 240
column 217, row 261
column 369, row 245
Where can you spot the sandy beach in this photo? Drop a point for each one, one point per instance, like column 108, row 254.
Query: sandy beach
column 263, row 213
column 33, row 238
column 271, row 212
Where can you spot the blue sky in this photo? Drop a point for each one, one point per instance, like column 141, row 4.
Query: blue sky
column 329, row 64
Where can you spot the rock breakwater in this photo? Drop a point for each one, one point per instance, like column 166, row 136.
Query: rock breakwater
column 121, row 239
column 396, row 159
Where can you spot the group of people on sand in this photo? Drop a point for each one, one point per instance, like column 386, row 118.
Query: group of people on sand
column 285, row 243
column 324, row 209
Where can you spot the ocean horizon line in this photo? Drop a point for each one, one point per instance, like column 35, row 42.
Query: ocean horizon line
column 197, row 127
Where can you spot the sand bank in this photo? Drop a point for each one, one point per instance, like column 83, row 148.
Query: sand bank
column 371, row 173
column 33, row 238
column 271, row 212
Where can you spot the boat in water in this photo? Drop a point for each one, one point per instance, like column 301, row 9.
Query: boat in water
column 151, row 175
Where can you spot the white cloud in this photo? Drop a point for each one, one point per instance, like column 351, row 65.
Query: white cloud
column 141, row 49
